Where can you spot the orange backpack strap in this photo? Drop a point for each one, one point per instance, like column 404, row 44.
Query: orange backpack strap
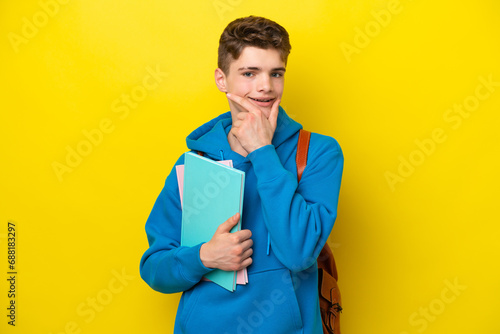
column 302, row 149
column 330, row 300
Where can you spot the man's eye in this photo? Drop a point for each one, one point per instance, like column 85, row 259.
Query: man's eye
column 277, row 75
column 248, row 74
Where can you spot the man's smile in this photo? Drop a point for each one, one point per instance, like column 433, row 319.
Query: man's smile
column 261, row 99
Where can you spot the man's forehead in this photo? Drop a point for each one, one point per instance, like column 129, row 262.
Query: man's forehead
column 253, row 58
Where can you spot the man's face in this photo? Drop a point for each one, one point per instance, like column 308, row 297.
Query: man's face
column 258, row 75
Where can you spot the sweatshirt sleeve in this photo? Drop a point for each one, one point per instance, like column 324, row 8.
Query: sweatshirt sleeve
column 299, row 216
column 166, row 266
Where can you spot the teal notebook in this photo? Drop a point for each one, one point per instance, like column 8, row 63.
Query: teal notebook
column 212, row 193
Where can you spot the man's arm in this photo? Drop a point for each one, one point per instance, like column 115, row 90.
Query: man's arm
column 169, row 267
column 299, row 218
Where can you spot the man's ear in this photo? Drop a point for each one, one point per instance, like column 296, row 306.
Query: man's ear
column 220, row 80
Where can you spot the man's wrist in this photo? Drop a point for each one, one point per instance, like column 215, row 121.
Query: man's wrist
column 255, row 148
column 204, row 258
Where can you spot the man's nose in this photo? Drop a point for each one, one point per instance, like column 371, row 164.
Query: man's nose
column 264, row 83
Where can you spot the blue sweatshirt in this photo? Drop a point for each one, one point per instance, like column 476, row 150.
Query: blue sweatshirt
column 290, row 223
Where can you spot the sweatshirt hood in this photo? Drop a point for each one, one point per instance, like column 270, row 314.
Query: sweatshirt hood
column 211, row 137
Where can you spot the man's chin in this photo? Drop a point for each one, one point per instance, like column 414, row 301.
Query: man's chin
column 266, row 111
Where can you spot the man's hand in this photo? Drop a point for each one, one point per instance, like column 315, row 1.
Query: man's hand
column 228, row 251
column 252, row 128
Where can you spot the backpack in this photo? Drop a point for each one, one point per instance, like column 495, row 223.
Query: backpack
column 330, row 303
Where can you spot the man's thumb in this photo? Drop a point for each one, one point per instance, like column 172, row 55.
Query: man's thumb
column 226, row 226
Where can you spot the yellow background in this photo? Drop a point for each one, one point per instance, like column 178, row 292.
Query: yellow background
column 398, row 246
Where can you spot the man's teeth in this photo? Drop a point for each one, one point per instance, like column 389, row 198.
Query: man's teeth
column 261, row 100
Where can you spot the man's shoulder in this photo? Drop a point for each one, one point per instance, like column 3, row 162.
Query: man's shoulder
column 320, row 143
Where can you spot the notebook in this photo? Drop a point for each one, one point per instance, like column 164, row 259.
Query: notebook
column 211, row 192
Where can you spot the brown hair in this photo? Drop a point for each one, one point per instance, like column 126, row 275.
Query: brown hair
column 251, row 31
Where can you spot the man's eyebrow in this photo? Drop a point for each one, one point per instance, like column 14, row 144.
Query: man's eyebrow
column 253, row 68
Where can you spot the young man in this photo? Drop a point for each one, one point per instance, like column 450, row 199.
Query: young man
column 285, row 223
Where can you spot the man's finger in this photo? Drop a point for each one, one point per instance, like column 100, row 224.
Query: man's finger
column 248, row 261
column 245, row 235
column 247, row 244
column 246, row 254
column 273, row 116
column 242, row 102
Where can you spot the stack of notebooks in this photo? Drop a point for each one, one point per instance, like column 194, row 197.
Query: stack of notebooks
column 211, row 192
